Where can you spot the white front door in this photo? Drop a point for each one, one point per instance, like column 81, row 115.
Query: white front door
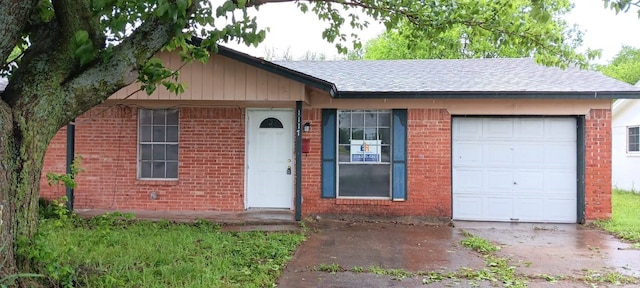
column 269, row 159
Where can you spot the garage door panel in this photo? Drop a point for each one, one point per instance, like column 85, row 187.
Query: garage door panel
column 498, row 128
column 561, row 210
column 526, row 181
column 472, row 180
column 467, row 129
column 560, row 155
column 531, row 154
column 558, row 181
column 470, row 207
column 498, row 154
column 528, row 209
column 515, row 168
column 498, row 181
column 467, row 154
column 498, row 208
column 561, row 129
column 529, row 128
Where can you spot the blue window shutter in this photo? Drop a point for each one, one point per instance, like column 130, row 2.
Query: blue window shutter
column 399, row 155
column 329, row 144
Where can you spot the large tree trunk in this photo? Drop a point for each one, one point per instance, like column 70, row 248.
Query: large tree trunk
column 47, row 91
column 7, row 184
column 23, row 144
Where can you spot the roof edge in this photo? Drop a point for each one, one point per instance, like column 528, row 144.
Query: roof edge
column 273, row 68
column 491, row 94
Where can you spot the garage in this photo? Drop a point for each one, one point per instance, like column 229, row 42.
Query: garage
column 518, row 169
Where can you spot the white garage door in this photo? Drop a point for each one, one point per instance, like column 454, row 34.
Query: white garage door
column 514, row 169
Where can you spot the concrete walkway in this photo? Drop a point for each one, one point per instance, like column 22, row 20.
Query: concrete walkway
column 258, row 219
column 542, row 254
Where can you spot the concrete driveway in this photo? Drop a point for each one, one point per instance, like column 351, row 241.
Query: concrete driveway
column 361, row 254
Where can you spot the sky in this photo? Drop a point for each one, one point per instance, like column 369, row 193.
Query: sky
column 301, row 33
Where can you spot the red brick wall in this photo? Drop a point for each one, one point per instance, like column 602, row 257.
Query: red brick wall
column 429, row 170
column 598, row 164
column 211, row 162
column 212, row 154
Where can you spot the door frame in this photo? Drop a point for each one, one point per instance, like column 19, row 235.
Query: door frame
column 246, row 154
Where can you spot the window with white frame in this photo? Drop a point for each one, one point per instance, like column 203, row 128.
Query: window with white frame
column 633, row 139
column 158, row 144
column 364, row 153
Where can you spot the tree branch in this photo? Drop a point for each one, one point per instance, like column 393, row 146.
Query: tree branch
column 13, row 18
column 74, row 16
column 120, row 67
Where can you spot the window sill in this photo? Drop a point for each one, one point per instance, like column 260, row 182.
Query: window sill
column 371, row 202
column 633, row 154
column 158, row 182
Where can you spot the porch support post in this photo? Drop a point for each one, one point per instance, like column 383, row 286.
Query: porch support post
column 71, row 140
column 298, row 160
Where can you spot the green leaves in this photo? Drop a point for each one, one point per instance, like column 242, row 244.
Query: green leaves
column 625, row 66
column 82, row 47
column 481, row 29
column 154, row 73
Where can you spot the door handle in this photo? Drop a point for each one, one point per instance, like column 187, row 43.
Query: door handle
column 289, row 170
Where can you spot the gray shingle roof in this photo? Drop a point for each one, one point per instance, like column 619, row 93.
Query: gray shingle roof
column 452, row 76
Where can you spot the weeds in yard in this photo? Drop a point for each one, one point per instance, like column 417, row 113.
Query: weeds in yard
column 116, row 250
column 478, row 244
column 331, row 268
column 594, row 277
column 624, row 222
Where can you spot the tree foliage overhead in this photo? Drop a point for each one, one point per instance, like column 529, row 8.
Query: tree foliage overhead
column 625, row 66
column 516, row 28
column 63, row 57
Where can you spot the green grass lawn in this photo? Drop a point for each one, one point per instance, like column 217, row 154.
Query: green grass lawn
column 113, row 251
column 625, row 222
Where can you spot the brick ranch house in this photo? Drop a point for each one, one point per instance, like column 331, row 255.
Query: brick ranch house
column 486, row 139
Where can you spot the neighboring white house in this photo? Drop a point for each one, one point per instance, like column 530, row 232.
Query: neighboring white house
column 625, row 149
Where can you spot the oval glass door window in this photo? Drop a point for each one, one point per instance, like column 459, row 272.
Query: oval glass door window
column 271, row 123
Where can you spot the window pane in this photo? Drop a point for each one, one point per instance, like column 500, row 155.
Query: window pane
column 385, row 135
column 357, row 134
column 145, row 170
column 343, row 136
column 145, row 152
column 345, row 120
column 370, row 119
column 634, row 139
column 158, row 152
column 344, row 153
column 172, row 152
column 158, row 117
column 172, row 170
column 145, row 134
column 357, row 119
column 370, row 134
column 172, row 117
column 158, row 134
column 385, row 154
column 364, row 180
column 271, row 123
column 172, row 133
column 158, row 170
column 384, row 119
column 145, row 117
